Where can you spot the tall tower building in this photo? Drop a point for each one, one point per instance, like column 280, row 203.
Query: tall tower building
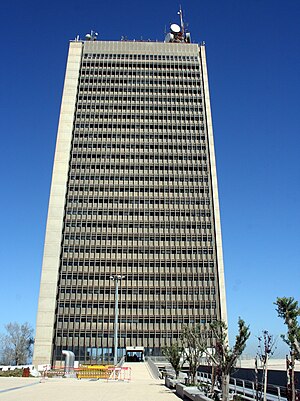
column 134, row 192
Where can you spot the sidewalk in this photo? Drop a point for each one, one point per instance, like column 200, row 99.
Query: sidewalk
column 142, row 387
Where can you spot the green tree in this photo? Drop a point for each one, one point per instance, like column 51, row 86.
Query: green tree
column 224, row 357
column 16, row 344
column 289, row 311
column 195, row 346
column 174, row 354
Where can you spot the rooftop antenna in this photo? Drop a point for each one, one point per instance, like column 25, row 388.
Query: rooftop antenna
column 178, row 34
column 181, row 19
column 91, row 36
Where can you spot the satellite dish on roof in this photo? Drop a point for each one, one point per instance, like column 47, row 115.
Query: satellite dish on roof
column 91, row 36
column 175, row 28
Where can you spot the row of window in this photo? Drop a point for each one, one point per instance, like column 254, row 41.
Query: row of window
column 142, row 145
column 138, row 225
column 91, row 188
column 146, row 156
column 176, row 118
column 141, row 213
column 140, row 107
column 145, row 73
column 142, row 98
column 140, row 264
column 137, row 305
column 137, row 92
column 141, row 237
column 116, row 56
column 126, row 168
column 136, row 85
column 86, row 178
column 126, row 201
column 78, row 263
column 71, row 268
column 160, row 170
column 187, row 101
column 103, row 78
column 169, row 126
column 132, row 335
column 110, row 65
column 140, row 291
column 109, row 177
column 172, row 139
column 149, row 320
column 162, row 189
column 141, row 77
column 144, row 277
column 187, row 138
column 139, row 250
column 151, row 179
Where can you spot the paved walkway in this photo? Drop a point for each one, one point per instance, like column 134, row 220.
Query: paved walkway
column 142, row 387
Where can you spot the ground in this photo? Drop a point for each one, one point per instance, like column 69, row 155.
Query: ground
column 141, row 387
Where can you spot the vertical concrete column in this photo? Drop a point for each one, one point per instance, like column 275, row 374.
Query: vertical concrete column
column 215, row 195
column 51, row 259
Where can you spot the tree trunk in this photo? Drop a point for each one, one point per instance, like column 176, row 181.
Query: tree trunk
column 265, row 378
column 225, row 387
column 213, row 379
column 256, row 380
column 290, row 370
column 293, row 390
column 193, row 376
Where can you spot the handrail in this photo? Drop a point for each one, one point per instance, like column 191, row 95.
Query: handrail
column 247, row 388
column 153, row 368
column 121, row 362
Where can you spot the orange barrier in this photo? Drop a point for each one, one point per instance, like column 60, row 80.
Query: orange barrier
column 87, row 372
column 93, row 372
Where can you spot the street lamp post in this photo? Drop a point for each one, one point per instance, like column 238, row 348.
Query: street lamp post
column 116, row 279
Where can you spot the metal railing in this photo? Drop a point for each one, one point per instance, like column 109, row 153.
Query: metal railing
column 247, row 388
column 153, row 368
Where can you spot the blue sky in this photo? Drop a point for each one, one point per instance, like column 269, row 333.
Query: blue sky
column 253, row 51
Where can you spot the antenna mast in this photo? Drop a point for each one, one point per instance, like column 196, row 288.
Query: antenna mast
column 181, row 20
column 177, row 33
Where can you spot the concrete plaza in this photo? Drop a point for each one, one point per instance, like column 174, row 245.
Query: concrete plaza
column 141, row 387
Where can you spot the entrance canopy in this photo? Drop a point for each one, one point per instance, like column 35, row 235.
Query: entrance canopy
column 134, row 354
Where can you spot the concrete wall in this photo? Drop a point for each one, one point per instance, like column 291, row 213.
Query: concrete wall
column 48, row 286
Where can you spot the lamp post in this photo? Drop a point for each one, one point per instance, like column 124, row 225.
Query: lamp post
column 116, row 279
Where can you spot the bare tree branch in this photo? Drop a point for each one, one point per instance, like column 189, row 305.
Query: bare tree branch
column 225, row 357
column 195, row 346
column 16, row 344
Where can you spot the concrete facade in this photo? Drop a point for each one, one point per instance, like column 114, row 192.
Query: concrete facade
column 134, row 192
column 214, row 182
column 51, row 260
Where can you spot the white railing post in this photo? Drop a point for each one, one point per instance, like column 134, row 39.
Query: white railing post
column 278, row 393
